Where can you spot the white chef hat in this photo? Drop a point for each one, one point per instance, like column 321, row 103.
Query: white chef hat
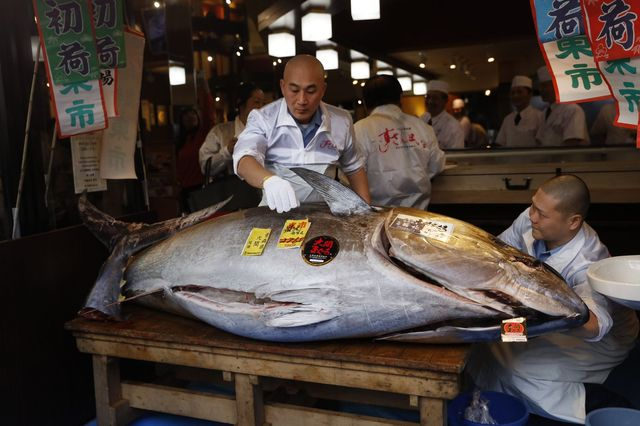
column 543, row 74
column 521, row 81
column 438, row 86
column 458, row 103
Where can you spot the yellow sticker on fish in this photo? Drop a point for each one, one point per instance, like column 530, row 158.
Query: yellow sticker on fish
column 256, row 242
column 293, row 233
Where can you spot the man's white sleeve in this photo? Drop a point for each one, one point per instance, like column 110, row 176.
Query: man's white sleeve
column 350, row 159
column 252, row 141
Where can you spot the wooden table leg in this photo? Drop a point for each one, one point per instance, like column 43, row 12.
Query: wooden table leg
column 111, row 409
column 432, row 411
column 249, row 403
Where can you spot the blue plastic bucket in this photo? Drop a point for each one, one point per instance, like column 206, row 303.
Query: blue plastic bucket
column 613, row 416
column 505, row 409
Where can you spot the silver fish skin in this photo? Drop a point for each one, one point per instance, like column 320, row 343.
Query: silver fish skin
column 363, row 292
column 389, row 280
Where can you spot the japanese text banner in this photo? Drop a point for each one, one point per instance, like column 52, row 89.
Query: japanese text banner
column 574, row 71
column 556, row 19
column 567, row 52
column 613, row 28
column 622, row 75
column 79, row 107
column 66, row 34
column 108, row 18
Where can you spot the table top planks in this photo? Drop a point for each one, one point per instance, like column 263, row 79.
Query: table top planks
column 152, row 325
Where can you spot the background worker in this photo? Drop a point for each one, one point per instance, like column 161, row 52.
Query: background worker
column 401, row 152
column 448, row 130
column 563, row 124
column 560, row 375
column 221, row 140
column 298, row 131
column 519, row 127
column 458, row 112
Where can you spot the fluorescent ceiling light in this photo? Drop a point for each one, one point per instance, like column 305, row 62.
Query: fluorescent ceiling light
column 362, row 10
column 282, row 45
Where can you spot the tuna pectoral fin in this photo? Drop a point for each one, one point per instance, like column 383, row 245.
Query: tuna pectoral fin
column 218, row 306
column 342, row 201
column 300, row 316
column 448, row 334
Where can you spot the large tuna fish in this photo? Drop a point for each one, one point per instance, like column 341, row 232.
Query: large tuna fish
column 393, row 273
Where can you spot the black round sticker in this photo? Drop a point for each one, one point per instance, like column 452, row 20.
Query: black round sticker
column 320, row 250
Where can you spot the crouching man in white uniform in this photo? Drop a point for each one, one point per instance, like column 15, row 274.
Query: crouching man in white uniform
column 298, row 131
column 559, row 375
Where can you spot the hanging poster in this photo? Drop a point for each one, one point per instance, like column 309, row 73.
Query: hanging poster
column 85, row 157
column 575, row 74
column 108, row 19
column 79, row 107
column 119, row 140
column 66, row 33
column 567, row 52
column 613, row 28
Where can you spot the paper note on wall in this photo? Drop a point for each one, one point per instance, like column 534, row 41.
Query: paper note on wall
column 85, row 157
column 119, row 140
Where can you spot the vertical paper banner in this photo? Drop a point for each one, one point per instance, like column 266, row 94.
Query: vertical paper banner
column 119, row 141
column 575, row 73
column 108, row 18
column 567, row 52
column 85, row 157
column 66, row 34
column 613, row 28
column 79, row 108
column 622, row 75
column 556, row 19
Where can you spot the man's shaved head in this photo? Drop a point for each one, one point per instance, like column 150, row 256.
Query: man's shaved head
column 303, row 86
column 310, row 64
column 571, row 193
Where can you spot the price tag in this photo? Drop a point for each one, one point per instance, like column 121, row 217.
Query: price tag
column 256, row 242
column 514, row 330
column 293, row 233
column 433, row 229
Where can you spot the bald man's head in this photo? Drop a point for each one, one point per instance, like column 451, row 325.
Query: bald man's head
column 310, row 64
column 303, row 86
column 571, row 193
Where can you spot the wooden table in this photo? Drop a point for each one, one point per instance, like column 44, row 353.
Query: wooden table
column 425, row 376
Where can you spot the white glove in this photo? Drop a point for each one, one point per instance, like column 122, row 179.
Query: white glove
column 280, row 194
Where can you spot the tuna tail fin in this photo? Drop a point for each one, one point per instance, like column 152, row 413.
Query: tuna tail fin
column 125, row 239
column 342, row 201
column 106, row 228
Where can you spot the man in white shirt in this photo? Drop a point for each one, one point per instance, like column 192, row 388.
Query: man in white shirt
column 560, row 375
column 448, row 130
column 519, row 127
column 298, row 131
column 401, row 152
column 458, row 112
column 564, row 124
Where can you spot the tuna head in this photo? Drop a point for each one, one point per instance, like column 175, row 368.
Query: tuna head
column 476, row 265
